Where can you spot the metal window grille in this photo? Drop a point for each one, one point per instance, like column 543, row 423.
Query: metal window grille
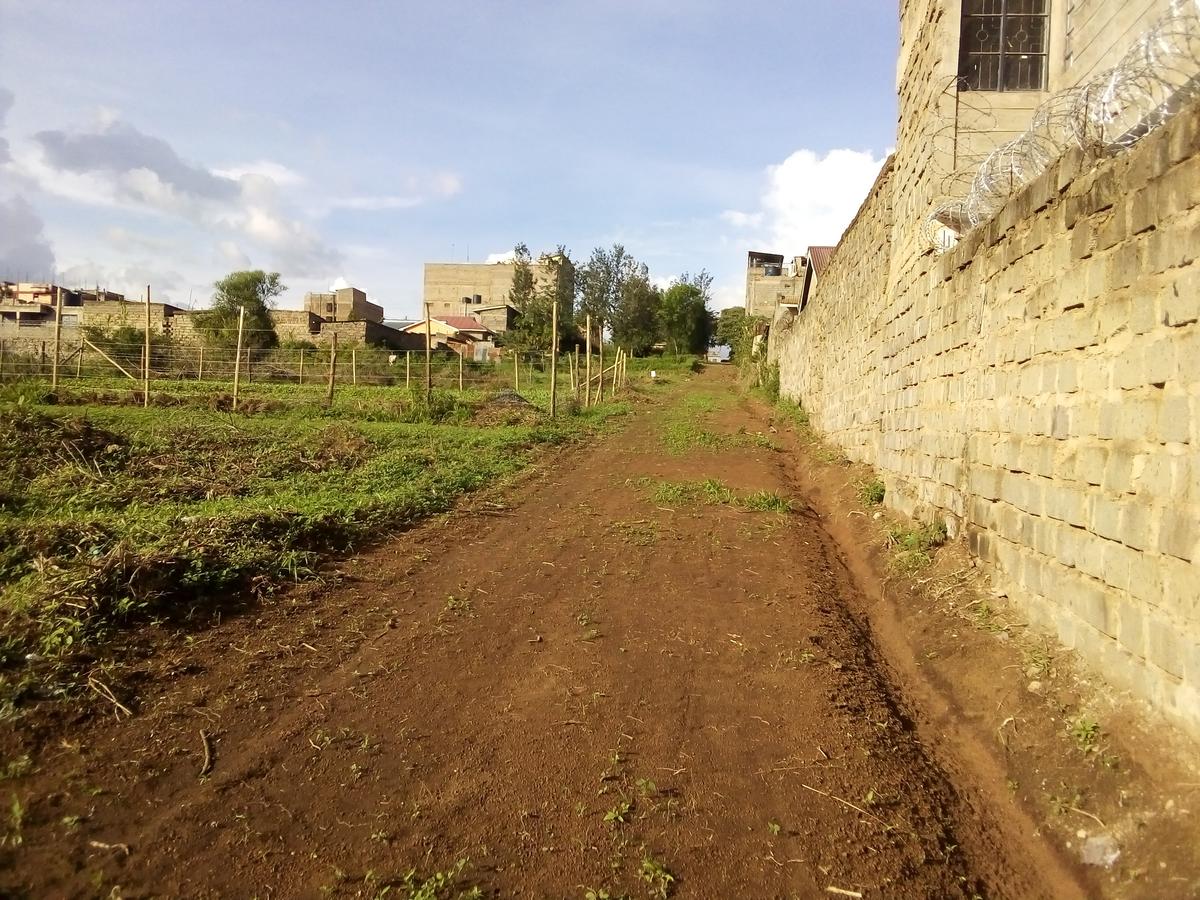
column 1003, row 45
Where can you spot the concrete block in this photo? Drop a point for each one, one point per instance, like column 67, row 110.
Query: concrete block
column 1171, row 248
column 1179, row 532
column 1179, row 587
column 1089, row 602
column 1067, row 503
column 1106, row 518
column 1113, row 230
column 1180, row 299
column 1183, row 139
column 1175, row 419
column 1163, row 645
column 1178, row 188
column 1090, row 463
column 1144, row 211
column 1137, row 524
column 1125, row 266
column 1154, row 476
column 1131, row 625
column 1146, row 578
column 1118, row 560
column 1118, row 471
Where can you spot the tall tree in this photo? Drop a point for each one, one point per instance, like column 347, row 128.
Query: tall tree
column 601, row 281
column 255, row 291
column 730, row 328
column 521, row 293
column 634, row 321
column 684, row 317
column 534, row 328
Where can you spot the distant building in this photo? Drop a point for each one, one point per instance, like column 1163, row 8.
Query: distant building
column 482, row 290
column 462, row 334
column 770, row 283
column 28, row 311
column 27, row 318
column 346, row 304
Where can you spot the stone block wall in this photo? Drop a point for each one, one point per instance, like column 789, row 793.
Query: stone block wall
column 1038, row 388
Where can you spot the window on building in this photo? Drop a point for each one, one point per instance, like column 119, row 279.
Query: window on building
column 1003, row 45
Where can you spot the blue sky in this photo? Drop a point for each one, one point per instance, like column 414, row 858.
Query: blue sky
column 172, row 141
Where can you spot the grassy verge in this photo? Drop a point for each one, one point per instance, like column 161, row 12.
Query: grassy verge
column 114, row 515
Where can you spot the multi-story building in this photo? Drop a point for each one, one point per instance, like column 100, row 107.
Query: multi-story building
column 346, row 304
column 771, row 284
column 482, row 290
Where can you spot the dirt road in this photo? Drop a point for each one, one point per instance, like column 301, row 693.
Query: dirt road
column 610, row 685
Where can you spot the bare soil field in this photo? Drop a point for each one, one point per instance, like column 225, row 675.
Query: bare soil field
column 656, row 666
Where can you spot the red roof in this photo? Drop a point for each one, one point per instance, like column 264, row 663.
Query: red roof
column 464, row 323
column 820, row 258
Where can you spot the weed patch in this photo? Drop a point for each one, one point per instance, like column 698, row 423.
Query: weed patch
column 767, row 501
column 129, row 514
column 870, row 492
column 912, row 546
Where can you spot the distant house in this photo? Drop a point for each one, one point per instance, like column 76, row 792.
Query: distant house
column 458, row 333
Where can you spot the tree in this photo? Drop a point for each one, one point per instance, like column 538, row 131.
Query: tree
column 521, row 293
column 255, row 291
column 684, row 317
column 730, row 327
column 537, row 299
column 634, row 322
column 602, row 280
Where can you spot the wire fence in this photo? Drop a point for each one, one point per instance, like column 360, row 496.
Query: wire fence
column 232, row 373
column 1105, row 115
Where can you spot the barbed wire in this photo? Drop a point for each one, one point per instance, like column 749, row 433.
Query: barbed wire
column 1106, row 115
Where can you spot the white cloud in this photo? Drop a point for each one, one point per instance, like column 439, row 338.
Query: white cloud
column 808, row 200
column 25, row 253
column 374, row 204
column 447, row 184
column 117, row 166
column 506, row 257
column 741, row 219
column 339, row 284
column 276, row 172
column 416, row 191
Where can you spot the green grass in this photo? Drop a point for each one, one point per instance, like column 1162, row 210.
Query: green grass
column 679, row 493
column 870, row 492
column 714, row 492
column 912, row 545
column 114, row 515
column 767, row 501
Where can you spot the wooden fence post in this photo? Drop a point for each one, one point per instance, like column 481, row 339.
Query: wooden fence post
column 57, row 337
column 332, row 371
column 79, row 361
column 200, row 366
column 460, row 369
column 237, row 356
column 3, row 347
column 146, row 367
column 302, row 365
column 554, row 359
column 354, row 365
column 587, row 381
column 600, row 374
column 408, row 369
column 428, row 357
column 516, row 373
